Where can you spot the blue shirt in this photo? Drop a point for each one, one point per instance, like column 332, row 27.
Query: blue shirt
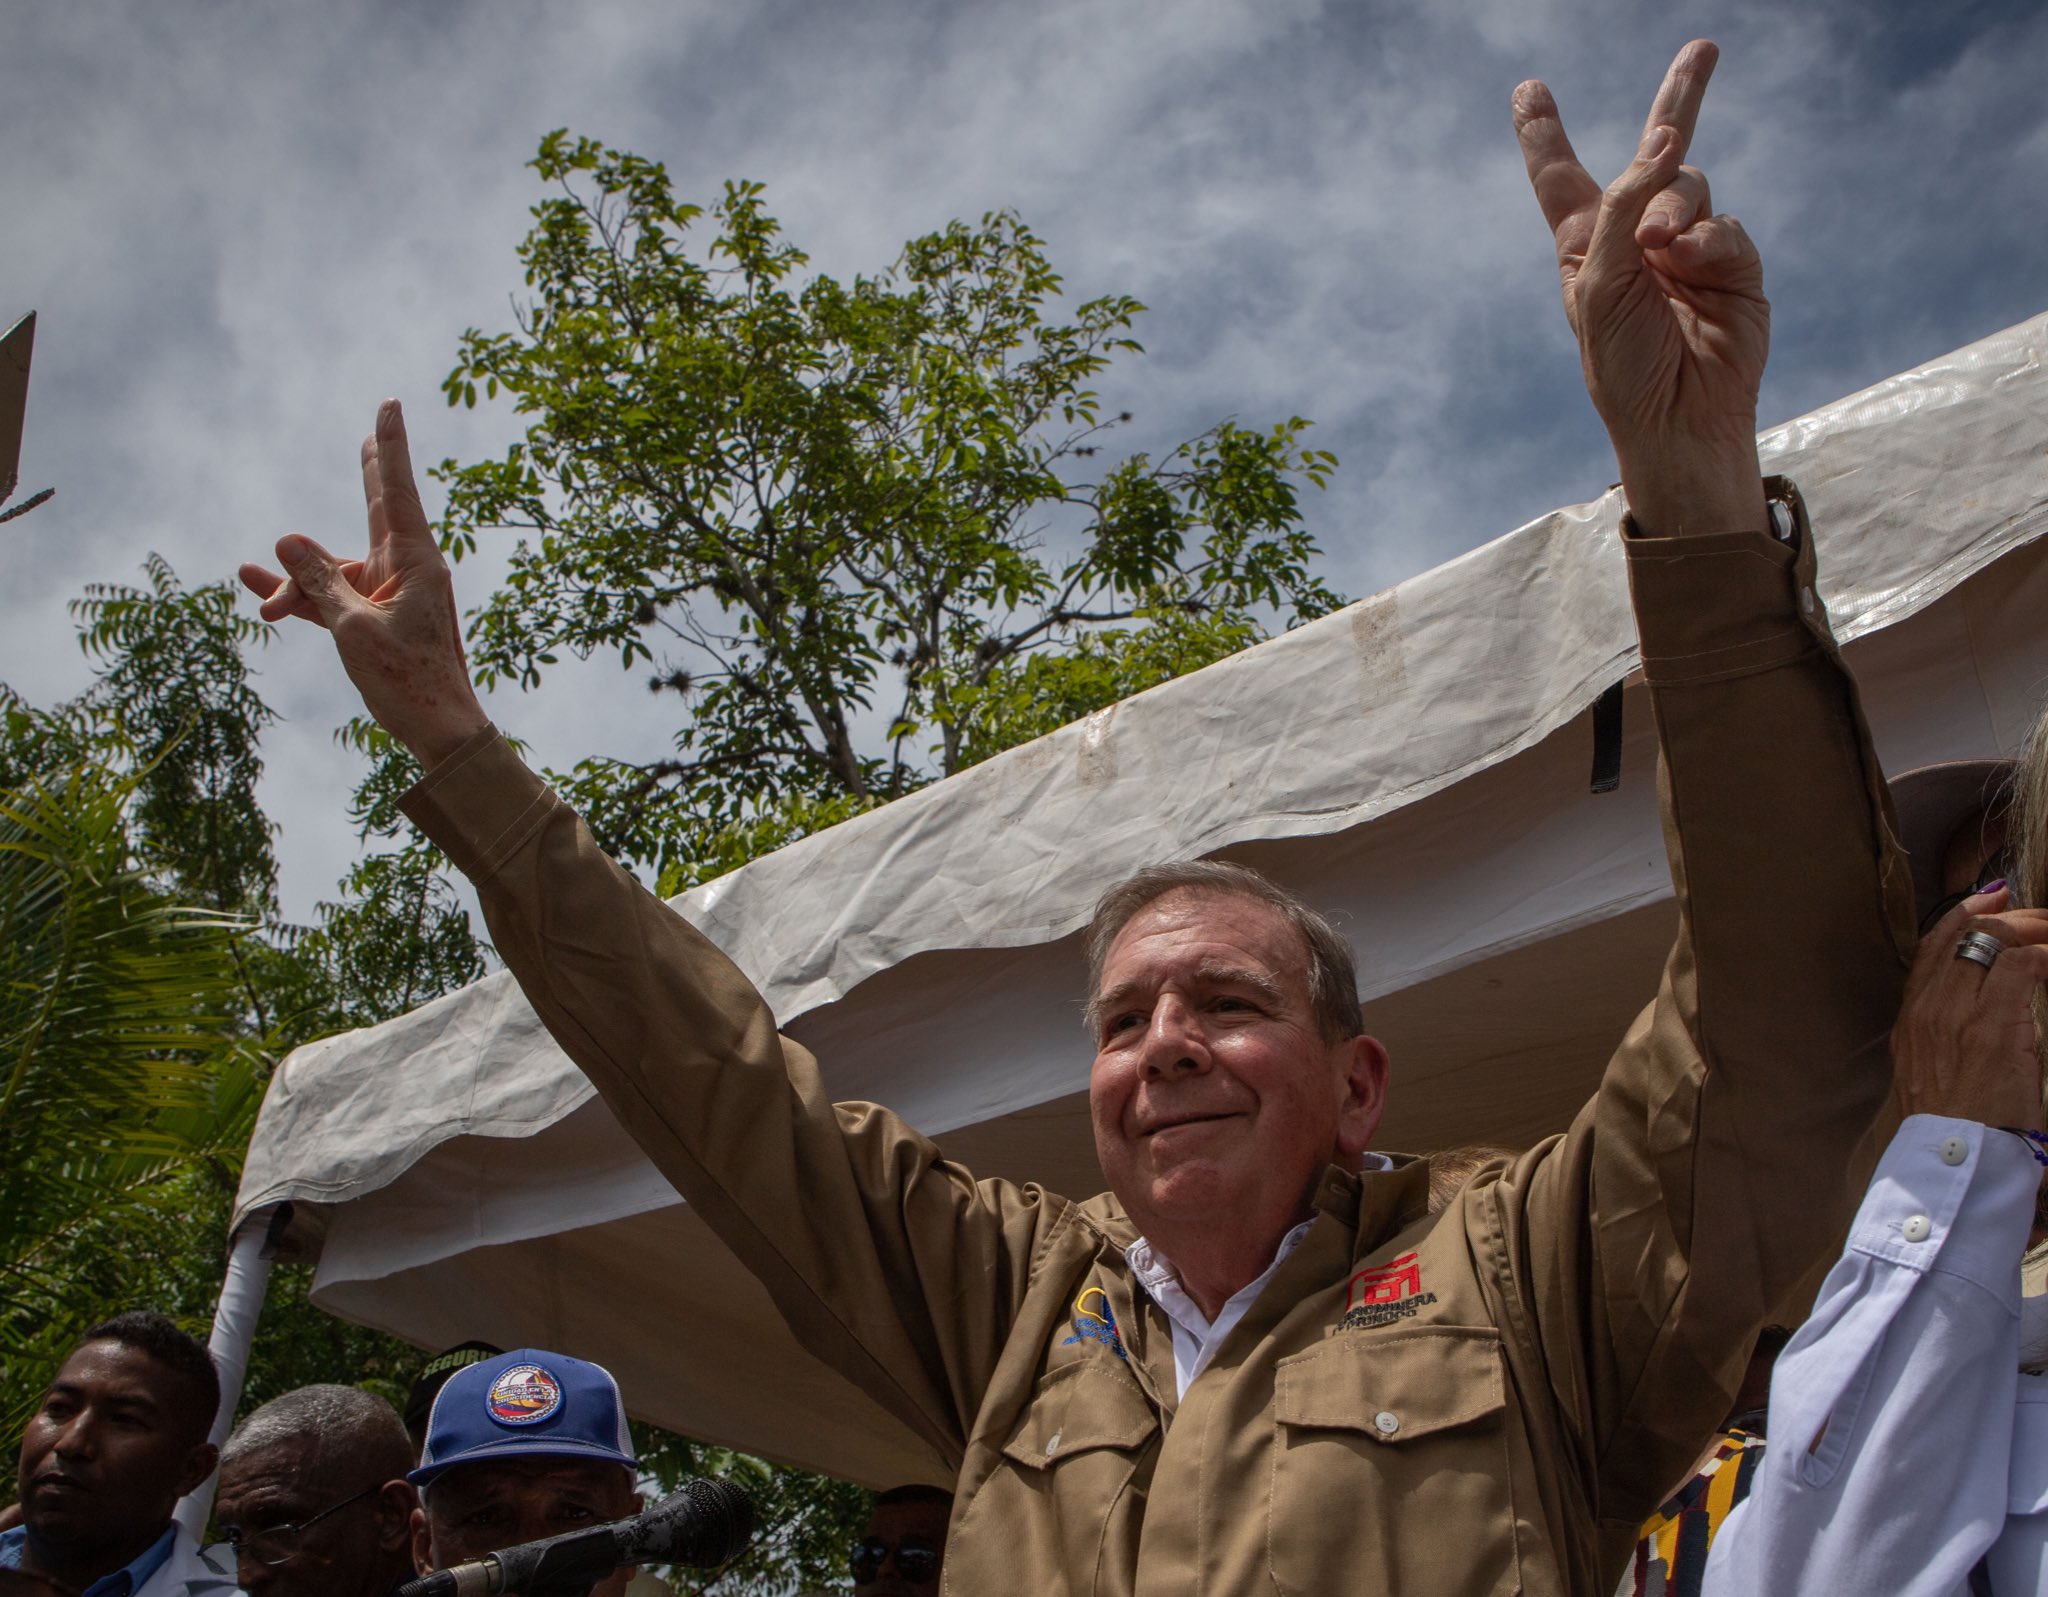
column 1908, row 1446
column 124, row 1582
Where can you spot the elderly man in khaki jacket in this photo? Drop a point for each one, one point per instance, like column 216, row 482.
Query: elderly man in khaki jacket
column 1260, row 1363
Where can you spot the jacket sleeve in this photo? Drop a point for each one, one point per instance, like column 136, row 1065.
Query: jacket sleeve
column 1709, row 1174
column 1908, row 1365
column 891, row 1264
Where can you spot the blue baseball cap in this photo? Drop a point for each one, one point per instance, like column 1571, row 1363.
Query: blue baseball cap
column 525, row 1404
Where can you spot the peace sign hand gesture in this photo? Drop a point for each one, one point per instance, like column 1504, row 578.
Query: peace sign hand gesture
column 392, row 614
column 1668, row 304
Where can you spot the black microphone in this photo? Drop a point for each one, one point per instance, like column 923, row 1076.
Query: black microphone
column 704, row 1524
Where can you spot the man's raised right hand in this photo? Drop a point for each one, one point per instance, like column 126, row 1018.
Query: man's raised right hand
column 392, row 614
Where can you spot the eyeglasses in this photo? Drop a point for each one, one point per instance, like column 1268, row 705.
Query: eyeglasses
column 917, row 1560
column 1998, row 868
column 280, row 1543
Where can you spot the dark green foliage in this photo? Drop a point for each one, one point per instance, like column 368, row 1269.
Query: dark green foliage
column 399, row 935
column 172, row 694
column 806, row 1524
column 121, row 1065
column 837, row 522
column 147, row 986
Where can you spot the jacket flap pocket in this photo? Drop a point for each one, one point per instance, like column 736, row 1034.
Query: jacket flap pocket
column 1079, row 1407
column 1393, row 1387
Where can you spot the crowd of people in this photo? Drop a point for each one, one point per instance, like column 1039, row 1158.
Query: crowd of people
column 1273, row 1357
column 326, row 1491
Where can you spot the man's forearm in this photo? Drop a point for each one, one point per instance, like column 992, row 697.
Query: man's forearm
column 1676, row 492
column 846, row 1216
column 1721, row 1140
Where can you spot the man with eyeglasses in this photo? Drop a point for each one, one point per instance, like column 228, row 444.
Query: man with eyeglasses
column 118, row 1438
column 901, row 1551
column 313, row 1496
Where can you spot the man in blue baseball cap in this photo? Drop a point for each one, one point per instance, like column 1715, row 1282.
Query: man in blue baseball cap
column 523, row 1446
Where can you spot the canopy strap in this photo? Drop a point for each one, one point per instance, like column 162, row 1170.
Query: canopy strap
column 1607, row 740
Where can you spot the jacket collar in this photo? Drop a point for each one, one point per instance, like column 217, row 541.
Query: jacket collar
column 1377, row 1203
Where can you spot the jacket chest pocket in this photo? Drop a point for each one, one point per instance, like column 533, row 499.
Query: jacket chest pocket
column 1068, row 1494
column 1391, row 1467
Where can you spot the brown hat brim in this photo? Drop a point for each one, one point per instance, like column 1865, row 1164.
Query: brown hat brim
column 1933, row 803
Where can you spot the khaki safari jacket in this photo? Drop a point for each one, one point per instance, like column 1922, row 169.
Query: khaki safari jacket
column 1481, row 1402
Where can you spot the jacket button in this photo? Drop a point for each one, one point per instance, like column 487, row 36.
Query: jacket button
column 1917, row 1228
column 1386, row 1422
column 1954, row 1150
column 1053, row 1445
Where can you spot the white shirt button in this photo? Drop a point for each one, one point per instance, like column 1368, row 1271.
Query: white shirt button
column 1386, row 1422
column 1954, row 1150
column 1053, row 1445
column 1916, row 1228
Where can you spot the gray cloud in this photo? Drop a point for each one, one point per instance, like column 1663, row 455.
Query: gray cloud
column 244, row 224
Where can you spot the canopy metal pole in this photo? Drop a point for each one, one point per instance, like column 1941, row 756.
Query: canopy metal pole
column 234, row 1332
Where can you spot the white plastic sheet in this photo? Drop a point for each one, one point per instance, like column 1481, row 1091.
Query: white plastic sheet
column 234, row 1335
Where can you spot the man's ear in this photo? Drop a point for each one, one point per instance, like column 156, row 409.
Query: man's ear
column 1363, row 1063
column 197, row 1465
column 422, row 1542
column 394, row 1504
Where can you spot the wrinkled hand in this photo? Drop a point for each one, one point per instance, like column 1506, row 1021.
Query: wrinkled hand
column 1668, row 304
column 393, row 614
column 1964, row 1042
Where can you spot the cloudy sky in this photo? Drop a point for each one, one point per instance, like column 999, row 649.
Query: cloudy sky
column 242, row 224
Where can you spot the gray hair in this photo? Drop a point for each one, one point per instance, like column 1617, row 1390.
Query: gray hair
column 1332, row 973
column 341, row 1427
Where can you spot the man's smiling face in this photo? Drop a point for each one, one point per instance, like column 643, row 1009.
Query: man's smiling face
column 1215, row 1100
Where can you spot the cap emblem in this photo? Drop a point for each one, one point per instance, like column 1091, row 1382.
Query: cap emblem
column 524, row 1395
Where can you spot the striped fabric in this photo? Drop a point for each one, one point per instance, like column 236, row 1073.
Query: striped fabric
column 1671, row 1558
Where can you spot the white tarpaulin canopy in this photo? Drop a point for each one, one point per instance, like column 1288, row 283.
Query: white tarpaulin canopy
column 1417, row 763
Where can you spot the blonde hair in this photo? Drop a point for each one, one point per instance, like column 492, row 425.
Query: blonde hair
column 2027, row 854
column 1451, row 1168
column 2027, row 828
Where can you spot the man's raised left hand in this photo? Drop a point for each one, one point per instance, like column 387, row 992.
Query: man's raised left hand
column 1667, row 301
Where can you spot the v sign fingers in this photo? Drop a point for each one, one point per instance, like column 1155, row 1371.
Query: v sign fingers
column 1685, row 200
column 1668, row 306
column 1679, row 96
column 393, row 614
column 1569, row 197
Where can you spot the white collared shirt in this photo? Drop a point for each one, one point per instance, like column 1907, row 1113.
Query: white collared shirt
column 1196, row 1337
column 1906, row 1443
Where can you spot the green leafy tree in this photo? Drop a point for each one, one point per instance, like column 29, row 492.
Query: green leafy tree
column 173, row 699
column 125, row 1064
column 804, row 1524
column 399, row 935
column 861, row 534
column 138, row 845
column 838, row 521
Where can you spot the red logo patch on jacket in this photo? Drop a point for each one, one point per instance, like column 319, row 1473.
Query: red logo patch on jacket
column 1383, row 1293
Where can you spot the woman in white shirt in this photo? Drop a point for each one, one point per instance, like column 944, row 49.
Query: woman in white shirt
column 1909, row 1430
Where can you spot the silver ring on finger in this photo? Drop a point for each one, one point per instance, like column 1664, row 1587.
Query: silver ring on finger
column 1980, row 948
